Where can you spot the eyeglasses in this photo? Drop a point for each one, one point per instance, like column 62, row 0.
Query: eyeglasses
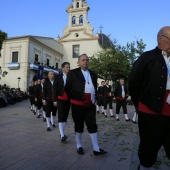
column 165, row 37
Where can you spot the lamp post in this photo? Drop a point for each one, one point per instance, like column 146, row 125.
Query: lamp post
column 18, row 81
column 3, row 73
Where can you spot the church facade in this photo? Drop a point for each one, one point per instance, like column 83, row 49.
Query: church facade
column 22, row 55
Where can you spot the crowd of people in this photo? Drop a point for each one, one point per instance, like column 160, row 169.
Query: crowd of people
column 10, row 96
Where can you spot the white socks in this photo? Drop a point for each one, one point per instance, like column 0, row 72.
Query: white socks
column 97, row 108
column 38, row 112
column 117, row 116
column 53, row 120
column 105, row 112
column 144, row 168
column 111, row 112
column 61, row 126
column 134, row 117
column 44, row 114
column 79, row 139
column 48, row 121
column 94, row 139
column 126, row 117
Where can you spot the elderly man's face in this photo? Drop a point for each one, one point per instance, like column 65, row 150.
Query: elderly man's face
column 83, row 62
column 51, row 75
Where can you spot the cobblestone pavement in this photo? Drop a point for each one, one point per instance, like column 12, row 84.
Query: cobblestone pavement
column 26, row 145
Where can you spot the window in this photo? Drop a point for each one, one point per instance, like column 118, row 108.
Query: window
column 48, row 62
column 15, row 57
column 36, row 57
column 56, row 65
column 81, row 19
column 76, row 49
column 77, row 5
column 73, row 20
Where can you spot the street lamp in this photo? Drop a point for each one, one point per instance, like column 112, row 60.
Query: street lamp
column 3, row 73
column 18, row 81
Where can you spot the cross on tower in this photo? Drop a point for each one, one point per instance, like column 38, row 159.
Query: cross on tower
column 101, row 28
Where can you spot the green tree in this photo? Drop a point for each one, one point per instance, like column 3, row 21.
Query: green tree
column 116, row 61
column 3, row 36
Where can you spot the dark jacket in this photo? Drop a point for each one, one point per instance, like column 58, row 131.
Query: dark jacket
column 31, row 91
column 38, row 91
column 106, row 90
column 48, row 90
column 75, row 84
column 147, row 82
column 118, row 91
column 100, row 91
column 59, row 86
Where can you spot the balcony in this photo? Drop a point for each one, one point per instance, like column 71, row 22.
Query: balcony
column 34, row 66
column 13, row 66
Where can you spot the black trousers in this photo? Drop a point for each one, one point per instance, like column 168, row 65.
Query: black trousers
column 39, row 104
column 84, row 114
column 50, row 108
column 63, row 110
column 106, row 101
column 119, row 104
column 154, row 131
column 31, row 100
column 100, row 101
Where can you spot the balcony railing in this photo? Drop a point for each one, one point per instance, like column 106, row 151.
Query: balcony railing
column 13, row 66
column 34, row 66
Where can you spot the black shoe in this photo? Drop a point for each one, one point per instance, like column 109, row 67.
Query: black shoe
column 63, row 139
column 134, row 122
column 112, row 116
column 44, row 119
column 117, row 119
column 38, row 116
column 102, row 113
column 80, row 151
column 98, row 112
column 105, row 115
column 101, row 152
column 53, row 125
column 48, row 129
column 126, row 120
column 34, row 112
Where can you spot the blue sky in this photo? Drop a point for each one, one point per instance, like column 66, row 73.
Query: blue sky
column 123, row 20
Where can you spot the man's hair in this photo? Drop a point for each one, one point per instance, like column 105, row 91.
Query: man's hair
column 64, row 64
column 81, row 56
column 102, row 82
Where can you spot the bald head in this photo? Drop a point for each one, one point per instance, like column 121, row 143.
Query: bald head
column 163, row 38
column 164, row 31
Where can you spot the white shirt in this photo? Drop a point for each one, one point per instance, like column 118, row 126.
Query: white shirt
column 123, row 92
column 52, row 81
column 64, row 78
column 89, row 88
column 167, row 60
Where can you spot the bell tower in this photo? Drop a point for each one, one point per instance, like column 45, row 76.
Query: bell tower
column 78, row 18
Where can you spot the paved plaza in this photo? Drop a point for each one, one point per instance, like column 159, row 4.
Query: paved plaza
column 26, row 145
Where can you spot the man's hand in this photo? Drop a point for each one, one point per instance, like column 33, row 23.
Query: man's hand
column 36, row 99
column 55, row 104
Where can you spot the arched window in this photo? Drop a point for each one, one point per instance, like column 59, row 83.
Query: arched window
column 81, row 19
column 73, row 20
column 77, row 5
